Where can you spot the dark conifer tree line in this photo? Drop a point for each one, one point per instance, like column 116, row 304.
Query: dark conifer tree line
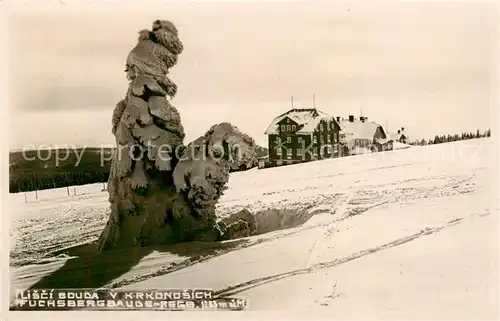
column 438, row 139
column 32, row 172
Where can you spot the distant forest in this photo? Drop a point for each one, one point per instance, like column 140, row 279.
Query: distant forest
column 452, row 138
column 33, row 172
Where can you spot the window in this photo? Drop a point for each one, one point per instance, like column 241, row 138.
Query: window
column 294, row 127
column 322, row 139
column 277, row 141
column 299, row 151
column 283, row 128
column 329, row 139
column 301, row 143
column 315, row 139
column 289, row 140
column 289, row 152
column 325, row 127
column 288, row 127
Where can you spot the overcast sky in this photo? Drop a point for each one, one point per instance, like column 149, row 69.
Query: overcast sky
column 425, row 66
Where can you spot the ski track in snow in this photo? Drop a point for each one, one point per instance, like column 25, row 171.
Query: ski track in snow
column 342, row 187
column 238, row 288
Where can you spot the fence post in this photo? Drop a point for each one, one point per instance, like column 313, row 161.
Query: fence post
column 25, row 198
column 36, row 194
column 67, row 188
column 74, row 190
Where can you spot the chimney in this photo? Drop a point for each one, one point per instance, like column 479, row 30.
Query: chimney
column 402, row 129
column 351, row 118
column 362, row 119
column 399, row 131
column 338, row 119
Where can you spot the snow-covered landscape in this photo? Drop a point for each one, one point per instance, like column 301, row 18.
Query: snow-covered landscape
column 410, row 232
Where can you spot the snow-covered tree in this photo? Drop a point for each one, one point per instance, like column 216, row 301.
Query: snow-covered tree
column 161, row 191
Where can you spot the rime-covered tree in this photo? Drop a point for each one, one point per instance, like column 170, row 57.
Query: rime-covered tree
column 161, row 191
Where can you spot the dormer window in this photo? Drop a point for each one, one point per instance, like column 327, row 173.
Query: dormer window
column 288, row 128
column 283, row 128
column 294, row 128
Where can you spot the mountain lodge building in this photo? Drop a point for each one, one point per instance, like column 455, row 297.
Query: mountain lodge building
column 302, row 135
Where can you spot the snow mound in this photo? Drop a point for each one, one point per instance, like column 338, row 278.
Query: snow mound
column 397, row 145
